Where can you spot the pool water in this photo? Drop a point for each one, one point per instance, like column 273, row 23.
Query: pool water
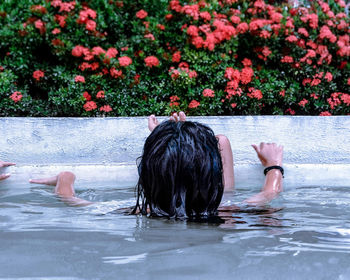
column 304, row 234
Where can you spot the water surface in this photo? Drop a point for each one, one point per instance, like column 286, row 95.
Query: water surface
column 43, row 238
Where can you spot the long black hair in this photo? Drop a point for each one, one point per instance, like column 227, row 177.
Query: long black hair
column 180, row 172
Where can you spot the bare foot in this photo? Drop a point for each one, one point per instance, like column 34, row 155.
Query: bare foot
column 51, row 181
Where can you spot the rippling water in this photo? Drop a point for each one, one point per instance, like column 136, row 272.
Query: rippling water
column 305, row 234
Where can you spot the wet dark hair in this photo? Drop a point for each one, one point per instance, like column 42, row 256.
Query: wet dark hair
column 180, row 172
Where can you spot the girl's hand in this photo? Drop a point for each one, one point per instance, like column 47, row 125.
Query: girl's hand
column 269, row 154
column 5, row 164
column 153, row 122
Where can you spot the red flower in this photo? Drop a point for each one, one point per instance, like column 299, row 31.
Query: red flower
column 303, row 102
column 334, row 100
column 100, row 94
column 168, row 17
column 192, row 74
column 38, row 74
column 87, row 96
column 173, row 101
column 266, row 52
column 184, row 66
column 197, row 42
column 160, row 26
column 193, row 104
column 90, row 25
column 208, row 92
column 111, row 53
column 314, row 95
column 246, row 75
column 233, row 105
column 176, row 57
column 325, row 113
column 90, row 105
column 325, row 32
column 151, row 61
column 175, row 74
column 16, row 96
column 56, row 31
column 141, row 14
column 38, row 9
column 287, row 59
column 345, row 98
column 97, row 51
column 328, row 77
column 79, row 79
column 57, row 42
column 40, row 25
column 290, row 111
column 205, row 16
column 78, row 51
column 255, row 93
column 235, row 19
column 306, row 81
column 232, row 74
column 315, row 82
column 106, row 108
column 246, row 62
column 282, row 93
column 115, row 73
column 124, row 61
column 242, row 28
column 61, row 20
column 292, row 39
column 192, row 30
column 149, row 36
column 303, row 32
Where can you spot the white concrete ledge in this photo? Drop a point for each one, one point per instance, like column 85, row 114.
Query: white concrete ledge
column 104, row 150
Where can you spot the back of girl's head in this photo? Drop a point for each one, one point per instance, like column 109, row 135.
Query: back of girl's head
column 180, row 172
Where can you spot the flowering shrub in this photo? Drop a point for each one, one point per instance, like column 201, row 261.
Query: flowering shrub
column 128, row 58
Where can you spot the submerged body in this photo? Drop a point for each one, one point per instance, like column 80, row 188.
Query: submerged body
column 184, row 171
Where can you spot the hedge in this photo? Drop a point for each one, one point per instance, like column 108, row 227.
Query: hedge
column 132, row 58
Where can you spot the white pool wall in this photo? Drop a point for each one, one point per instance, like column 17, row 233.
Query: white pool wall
column 104, row 150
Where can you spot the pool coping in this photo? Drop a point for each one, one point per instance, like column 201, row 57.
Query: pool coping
column 317, row 149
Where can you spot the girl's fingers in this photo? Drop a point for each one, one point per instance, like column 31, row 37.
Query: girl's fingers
column 255, row 147
column 4, row 176
column 4, row 164
column 182, row 116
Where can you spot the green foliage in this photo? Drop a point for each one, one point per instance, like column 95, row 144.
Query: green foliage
column 46, row 45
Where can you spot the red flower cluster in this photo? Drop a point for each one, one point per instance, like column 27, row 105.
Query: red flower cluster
column 64, row 6
column 255, row 93
column 79, row 79
column 16, row 96
column 141, row 14
column 151, row 61
column 208, row 92
column 38, row 74
column 124, row 61
column 174, row 101
column 87, row 16
column 106, row 108
column 100, row 94
column 193, row 104
column 40, row 25
column 89, row 106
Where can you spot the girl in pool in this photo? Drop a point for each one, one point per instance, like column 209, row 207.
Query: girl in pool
column 184, row 171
